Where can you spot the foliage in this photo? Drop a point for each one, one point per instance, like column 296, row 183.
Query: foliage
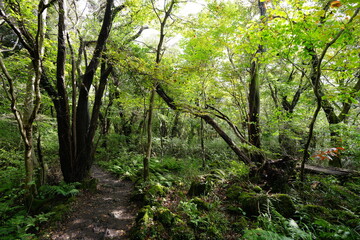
column 259, row 234
column 207, row 58
column 63, row 190
column 20, row 225
column 9, row 136
column 16, row 221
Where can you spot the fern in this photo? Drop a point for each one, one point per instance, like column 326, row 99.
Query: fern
column 63, row 189
column 259, row 234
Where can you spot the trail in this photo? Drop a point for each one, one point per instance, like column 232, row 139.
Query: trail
column 106, row 214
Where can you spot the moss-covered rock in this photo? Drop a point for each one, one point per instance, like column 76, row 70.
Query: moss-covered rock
column 252, row 203
column 234, row 192
column 199, row 187
column 235, row 209
column 201, row 204
column 165, row 216
column 145, row 215
column 146, row 227
column 149, row 194
column 157, row 190
column 284, row 205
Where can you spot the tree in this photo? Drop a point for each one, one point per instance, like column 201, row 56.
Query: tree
column 33, row 42
column 76, row 129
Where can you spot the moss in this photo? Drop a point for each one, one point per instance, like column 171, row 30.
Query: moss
column 201, row 204
column 182, row 232
column 252, row 204
column 90, row 184
column 150, row 194
column 198, row 188
column 234, row 192
column 157, row 190
column 257, row 189
column 145, row 215
column 241, row 224
column 144, row 226
column 233, row 209
column 316, row 211
column 284, row 205
column 165, row 216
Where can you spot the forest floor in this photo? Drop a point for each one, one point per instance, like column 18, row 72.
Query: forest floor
column 105, row 214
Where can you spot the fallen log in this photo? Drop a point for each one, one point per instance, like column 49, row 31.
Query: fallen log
column 330, row 170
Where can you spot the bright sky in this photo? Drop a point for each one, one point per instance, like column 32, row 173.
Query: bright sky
column 151, row 36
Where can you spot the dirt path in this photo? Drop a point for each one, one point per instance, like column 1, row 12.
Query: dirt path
column 106, row 214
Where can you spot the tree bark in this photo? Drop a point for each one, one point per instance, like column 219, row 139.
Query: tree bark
column 254, row 96
column 66, row 144
column 202, row 143
column 254, row 106
column 149, row 136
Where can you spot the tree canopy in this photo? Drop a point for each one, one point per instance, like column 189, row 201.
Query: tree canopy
column 251, row 80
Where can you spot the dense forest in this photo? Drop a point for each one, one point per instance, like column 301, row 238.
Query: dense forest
column 223, row 119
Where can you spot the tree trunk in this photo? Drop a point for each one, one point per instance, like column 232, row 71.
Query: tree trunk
column 85, row 131
column 254, row 106
column 65, row 137
column 32, row 99
column 254, row 96
column 149, row 136
column 318, row 90
column 202, row 144
column 175, row 132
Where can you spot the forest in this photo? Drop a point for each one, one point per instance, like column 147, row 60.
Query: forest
column 180, row 119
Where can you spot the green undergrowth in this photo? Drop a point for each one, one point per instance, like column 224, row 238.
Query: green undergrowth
column 184, row 201
column 50, row 204
column 18, row 221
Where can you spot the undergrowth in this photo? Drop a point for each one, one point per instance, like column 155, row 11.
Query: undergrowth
column 17, row 221
column 184, row 201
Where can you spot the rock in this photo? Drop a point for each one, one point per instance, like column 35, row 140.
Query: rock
column 199, row 188
column 145, row 215
column 236, row 210
column 284, row 205
column 165, row 216
column 156, row 190
column 201, row 204
column 113, row 234
column 252, row 204
column 234, row 192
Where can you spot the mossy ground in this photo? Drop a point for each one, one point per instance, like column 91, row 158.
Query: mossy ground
column 224, row 204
